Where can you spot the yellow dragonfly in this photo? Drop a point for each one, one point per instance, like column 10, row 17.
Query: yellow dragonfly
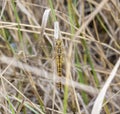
column 58, row 56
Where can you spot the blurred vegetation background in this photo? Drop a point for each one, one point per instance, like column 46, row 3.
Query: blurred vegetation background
column 90, row 31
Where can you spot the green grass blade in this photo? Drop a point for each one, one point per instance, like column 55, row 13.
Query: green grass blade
column 18, row 21
column 10, row 105
column 52, row 10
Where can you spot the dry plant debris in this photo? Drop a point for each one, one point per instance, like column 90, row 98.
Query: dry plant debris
column 90, row 32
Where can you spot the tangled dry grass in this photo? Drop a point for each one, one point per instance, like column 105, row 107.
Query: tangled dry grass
column 90, row 30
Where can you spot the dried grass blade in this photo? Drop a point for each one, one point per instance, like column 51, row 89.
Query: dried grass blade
column 98, row 103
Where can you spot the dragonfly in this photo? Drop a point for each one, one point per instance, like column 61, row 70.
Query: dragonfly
column 58, row 56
